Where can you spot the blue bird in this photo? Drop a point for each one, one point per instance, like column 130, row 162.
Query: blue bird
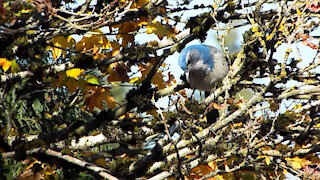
column 203, row 66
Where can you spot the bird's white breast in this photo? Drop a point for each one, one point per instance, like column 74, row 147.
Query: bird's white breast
column 200, row 75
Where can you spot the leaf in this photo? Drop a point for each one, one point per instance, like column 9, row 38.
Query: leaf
column 213, row 165
column 157, row 79
column 60, row 44
column 92, row 79
column 93, row 43
column 37, row 106
column 158, row 29
column 297, row 163
column 135, row 80
column 118, row 72
column 75, row 72
column 171, row 80
column 5, row 64
column 3, row 11
column 199, row 171
column 124, row 29
column 72, row 84
column 97, row 96
column 15, row 66
column 139, row 3
column 43, row 5
column 266, row 159
column 115, row 48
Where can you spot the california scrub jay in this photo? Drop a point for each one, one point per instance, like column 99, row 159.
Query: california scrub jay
column 204, row 66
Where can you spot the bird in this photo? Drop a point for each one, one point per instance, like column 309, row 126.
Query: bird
column 203, row 66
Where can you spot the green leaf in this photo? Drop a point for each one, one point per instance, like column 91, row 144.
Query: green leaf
column 15, row 66
column 37, row 107
column 92, row 80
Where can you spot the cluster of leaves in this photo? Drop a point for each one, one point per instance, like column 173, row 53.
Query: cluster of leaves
column 58, row 90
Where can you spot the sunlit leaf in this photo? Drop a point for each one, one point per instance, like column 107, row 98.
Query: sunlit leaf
column 75, row 72
column 157, row 79
column 60, row 44
column 139, row 3
column 93, row 43
column 297, row 162
column 213, row 165
column 15, row 66
column 124, row 30
column 92, row 79
column 158, row 29
column 266, row 159
column 134, row 80
column 5, row 64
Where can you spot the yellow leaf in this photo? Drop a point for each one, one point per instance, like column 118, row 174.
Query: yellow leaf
column 237, row 124
column 5, row 64
column 318, row 125
column 124, row 30
column 158, row 29
column 92, row 79
column 139, row 3
column 48, row 115
column 266, row 159
column 157, row 79
column 26, row 10
column 213, row 165
column 134, row 80
column 218, row 177
column 298, row 163
column 298, row 11
column 60, row 45
column 94, row 43
column 75, row 72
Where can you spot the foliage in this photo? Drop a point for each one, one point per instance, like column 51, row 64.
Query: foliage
column 79, row 94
